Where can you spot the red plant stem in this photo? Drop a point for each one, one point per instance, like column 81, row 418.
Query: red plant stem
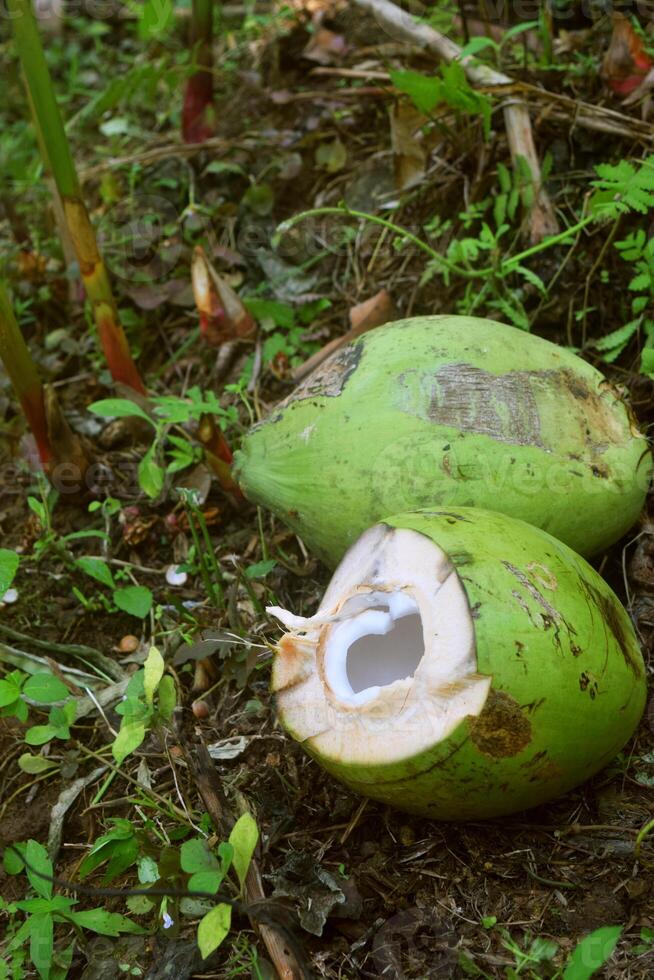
column 23, row 375
column 198, row 121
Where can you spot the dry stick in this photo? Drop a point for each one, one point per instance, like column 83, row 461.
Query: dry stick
column 542, row 221
column 302, row 370
column 203, row 771
column 598, row 118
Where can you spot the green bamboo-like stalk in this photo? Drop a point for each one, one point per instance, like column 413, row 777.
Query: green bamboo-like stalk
column 23, row 375
column 58, row 158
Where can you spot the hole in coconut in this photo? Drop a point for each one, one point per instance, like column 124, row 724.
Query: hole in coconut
column 380, row 642
column 375, row 661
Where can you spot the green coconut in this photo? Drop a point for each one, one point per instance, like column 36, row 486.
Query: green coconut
column 449, row 411
column 461, row 665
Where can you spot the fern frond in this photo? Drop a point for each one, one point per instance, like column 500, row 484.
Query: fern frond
column 623, row 187
column 612, row 344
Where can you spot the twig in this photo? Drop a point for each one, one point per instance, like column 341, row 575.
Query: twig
column 154, row 155
column 542, row 221
column 208, row 784
column 78, row 651
column 586, row 115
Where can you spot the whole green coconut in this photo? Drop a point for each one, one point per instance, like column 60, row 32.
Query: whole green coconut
column 461, row 665
column 449, row 411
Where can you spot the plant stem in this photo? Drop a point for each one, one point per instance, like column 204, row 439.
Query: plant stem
column 209, row 553
column 23, row 375
column 58, row 158
column 344, row 212
column 198, row 116
column 504, row 267
column 642, row 834
column 542, row 246
column 202, row 564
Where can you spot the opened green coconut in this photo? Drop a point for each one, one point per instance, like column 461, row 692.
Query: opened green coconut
column 449, row 411
column 461, row 665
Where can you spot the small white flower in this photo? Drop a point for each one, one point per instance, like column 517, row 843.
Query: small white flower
column 168, row 921
column 174, row 576
column 11, row 595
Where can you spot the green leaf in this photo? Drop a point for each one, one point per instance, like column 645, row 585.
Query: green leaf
column 167, row 697
column 206, row 871
column 119, row 408
column 617, row 338
column 106, row 923
column 35, row 764
column 260, row 569
column 213, row 929
column 155, row 18
column 41, row 942
column 647, row 361
column 119, row 846
column 592, row 952
column 40, row 734
column 38, row 508
column 11, row 862
column 331, row 156
column 9, row 562
column 139, row 904
column 62, row 961
column 9, row 692
column 196, row 855
column 97, row 569
column 150, row 474
column 640, row 282
column 153, row 669
column 45, row 688
column 424, row 92
column 543, row 949
column 134, row 599
column 528, row 25
column 123, row 855
column 205, row 881
column 243, row 838
column 259, row 198
column 129, row 738
column 37, row 904
column 531, row 277
column 148, row 871
column 80, row 535
column 280, row 313
column 477, row 44
column 38, row 863
column 224, row 167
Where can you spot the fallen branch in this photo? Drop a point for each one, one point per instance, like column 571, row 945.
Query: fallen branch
column 542, row 220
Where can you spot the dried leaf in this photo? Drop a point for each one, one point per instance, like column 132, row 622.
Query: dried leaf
column 315, row 890
column 71, row 454
column 409, row 153
column 373, row 312
column 325, row 47
column 626, row 63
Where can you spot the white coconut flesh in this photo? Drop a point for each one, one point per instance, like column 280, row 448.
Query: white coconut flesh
column 387, row 667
